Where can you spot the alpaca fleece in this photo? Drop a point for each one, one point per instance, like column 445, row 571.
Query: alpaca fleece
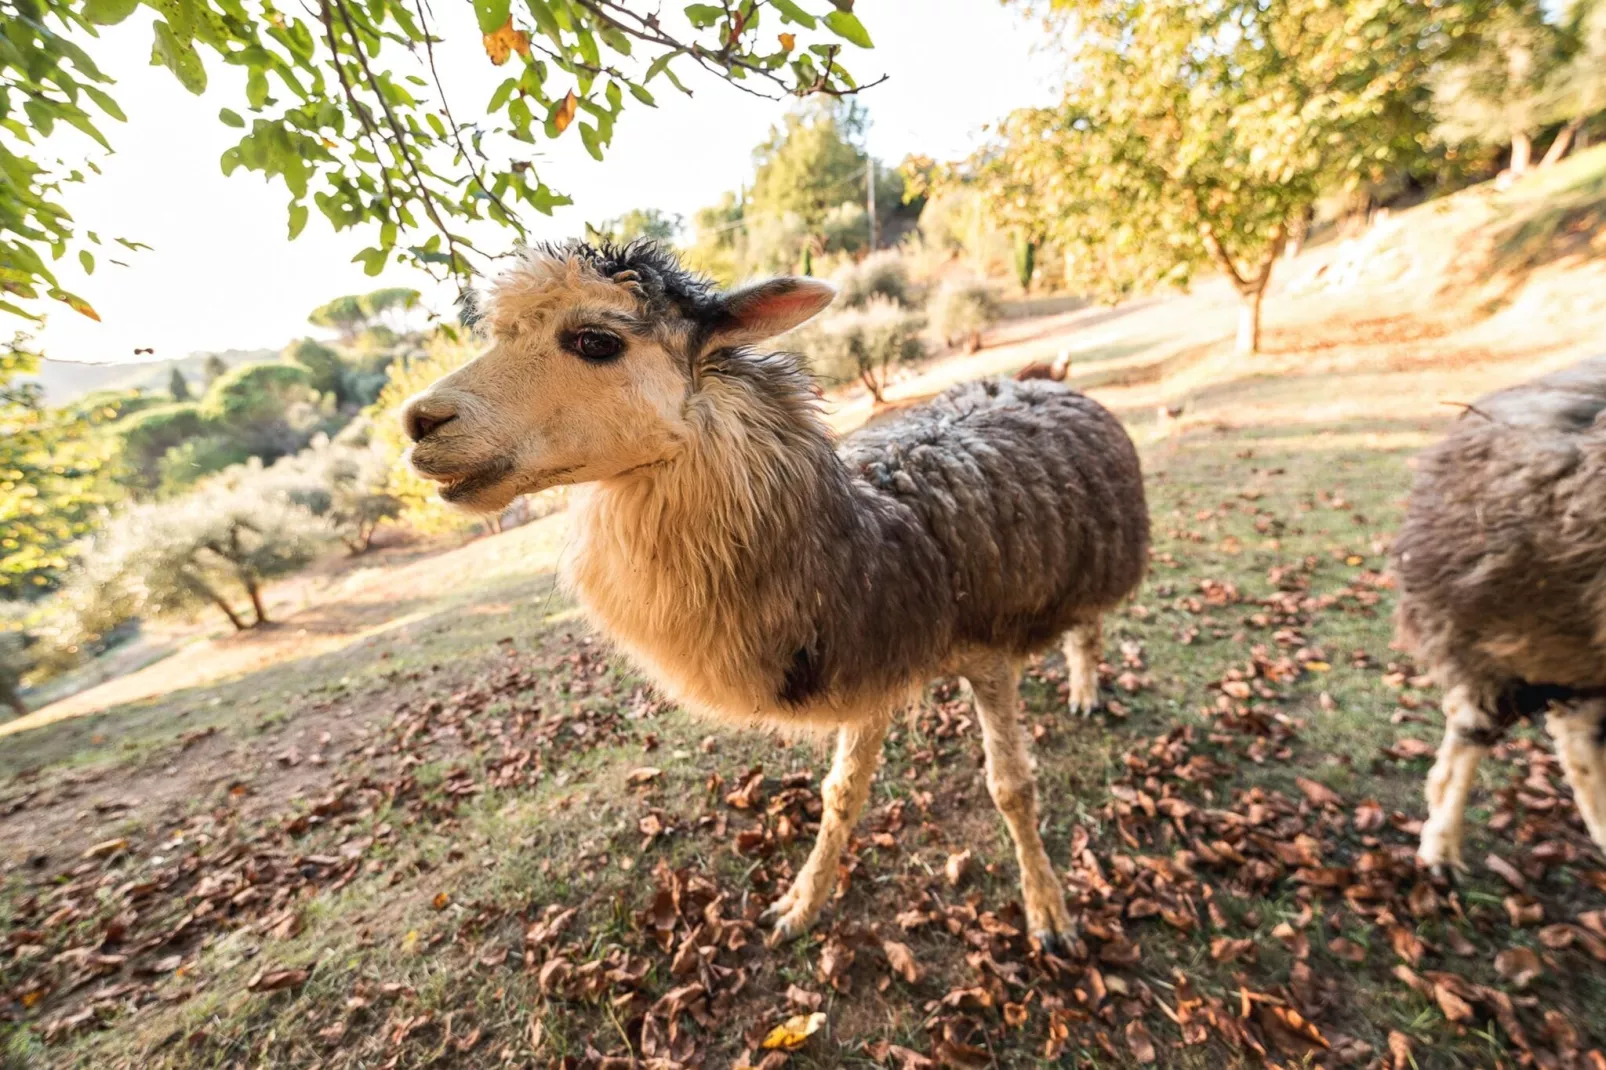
column 1502, row 556
column 996, row 517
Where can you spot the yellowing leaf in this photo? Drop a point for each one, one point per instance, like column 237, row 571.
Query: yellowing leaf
column 565, row 113
column 788, row 41
column 790, row 1034
column 410, row 942
column 1318, row 666
column 505, row 41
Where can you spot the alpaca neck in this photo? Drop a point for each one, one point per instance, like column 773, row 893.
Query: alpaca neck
column 695, row 565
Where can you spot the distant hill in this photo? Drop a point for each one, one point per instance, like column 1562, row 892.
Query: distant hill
column 67, row 380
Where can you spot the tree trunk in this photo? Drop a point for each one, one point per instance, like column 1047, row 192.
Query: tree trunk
column 228, row 611
column 1249, row 322
column 869, row 380
column 1522, row 151
column 1563, row 142
column 255, row 592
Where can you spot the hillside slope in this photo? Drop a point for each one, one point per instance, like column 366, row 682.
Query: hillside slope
column 67, row 380
column 431, row 821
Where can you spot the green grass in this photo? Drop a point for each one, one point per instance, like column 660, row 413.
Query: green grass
column 1239, row 512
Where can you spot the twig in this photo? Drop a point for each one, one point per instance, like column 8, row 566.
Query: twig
column 403, row 146
column 457, row 134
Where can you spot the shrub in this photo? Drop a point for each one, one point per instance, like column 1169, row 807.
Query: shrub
column 182, row 466
column 345, row 482
column 420, row 507
column 863, row 343
column 961, row 309
column 879, row 275
column 14, row 661
column 255, row 393
column 205, row 548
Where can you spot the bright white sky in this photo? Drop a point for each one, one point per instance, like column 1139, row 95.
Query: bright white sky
column 222, row 274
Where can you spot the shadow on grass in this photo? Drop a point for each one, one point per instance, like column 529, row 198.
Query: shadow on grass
column 278, row 692
column 1564, row 224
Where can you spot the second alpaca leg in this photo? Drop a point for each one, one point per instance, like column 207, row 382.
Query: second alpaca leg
column 845, row 791
column 1467, row 729
column 1083, row 645
column 1580, row 735
column 996, row 685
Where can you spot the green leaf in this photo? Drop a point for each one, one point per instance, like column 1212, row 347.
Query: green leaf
column 790, row 12
column 298, row 220
column 541, row 11
column 702, row 16
column 256, row 89
column 492, row 14
column 104, row 102
column 588, row 135
column 230, row 117
column 108, row 12
column 501, row 95
column 372, row 261
column 86, row 258
column 641, row 94
column 846, row 25
column 179, row 57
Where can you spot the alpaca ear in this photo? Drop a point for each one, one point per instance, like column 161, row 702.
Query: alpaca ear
column 766, row 309
column 470, row 308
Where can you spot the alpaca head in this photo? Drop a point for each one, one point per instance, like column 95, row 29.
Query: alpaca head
column 595, row 352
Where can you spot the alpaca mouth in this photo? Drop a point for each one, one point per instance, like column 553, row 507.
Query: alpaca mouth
column 460, row 486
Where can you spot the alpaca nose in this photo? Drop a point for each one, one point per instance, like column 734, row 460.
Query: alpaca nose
column 424, row 416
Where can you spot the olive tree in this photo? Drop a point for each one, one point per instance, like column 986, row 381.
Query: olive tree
column 210, row 547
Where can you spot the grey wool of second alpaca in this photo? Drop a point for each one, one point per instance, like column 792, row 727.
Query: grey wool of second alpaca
column 758, row 571
column 1501, row 562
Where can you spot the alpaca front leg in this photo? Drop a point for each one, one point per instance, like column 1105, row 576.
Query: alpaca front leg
column 1466, row 729
column 1580, row 736
column 996, row 686
column 845, row 791
column 1083, row 645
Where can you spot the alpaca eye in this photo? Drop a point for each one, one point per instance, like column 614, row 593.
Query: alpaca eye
column 596, row 345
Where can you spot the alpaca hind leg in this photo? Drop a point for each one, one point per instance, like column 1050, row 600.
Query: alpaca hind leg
column 1580, row 735
column 996, row 685
column 1083, row 644
column 1466, row 729
column 845, row 791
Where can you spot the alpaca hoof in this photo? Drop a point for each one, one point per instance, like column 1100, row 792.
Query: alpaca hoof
column 1051, row 926
column 1085, row 707
column 1440, row 854
column 786, row 924
column 1052, row 943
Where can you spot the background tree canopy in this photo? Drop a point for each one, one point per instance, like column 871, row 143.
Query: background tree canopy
column 344, row 106
column 1196, row 134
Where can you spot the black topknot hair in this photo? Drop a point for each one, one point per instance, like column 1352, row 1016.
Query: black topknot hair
column 664, row 283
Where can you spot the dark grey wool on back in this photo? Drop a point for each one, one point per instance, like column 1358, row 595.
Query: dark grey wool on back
column 1502, row 555
column 995, row 517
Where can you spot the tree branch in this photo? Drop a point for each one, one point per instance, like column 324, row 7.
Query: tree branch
column 457, row 134
column 402, row 145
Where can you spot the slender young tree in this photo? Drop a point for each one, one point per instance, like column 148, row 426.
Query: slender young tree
column 1195, row 134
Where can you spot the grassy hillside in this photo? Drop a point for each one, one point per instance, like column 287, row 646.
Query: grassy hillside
column 65, row 380
column 431, row 821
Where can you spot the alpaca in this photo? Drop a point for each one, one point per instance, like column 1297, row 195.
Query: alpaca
column 1501, row 564
column 760, row 573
